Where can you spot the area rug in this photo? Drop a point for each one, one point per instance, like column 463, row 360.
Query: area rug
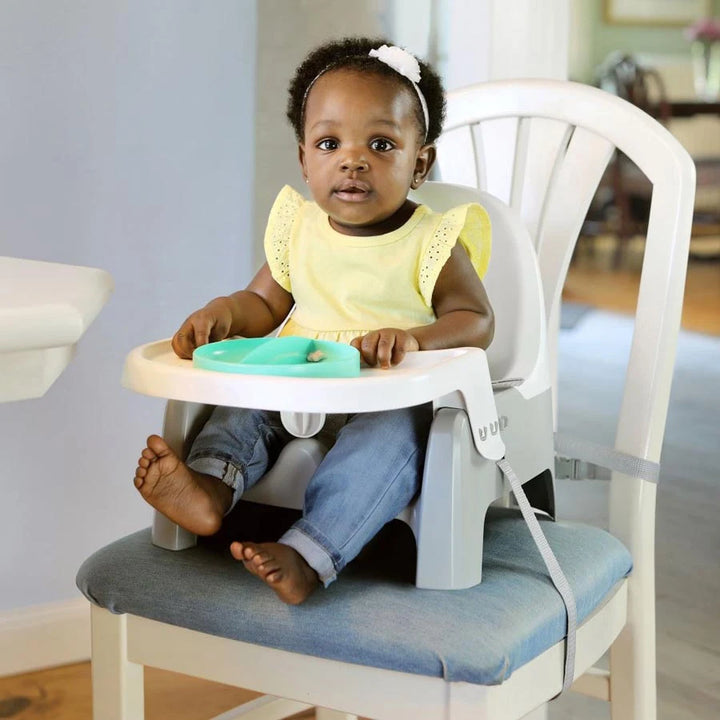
column 571, row 313
column 591, row 363
column 592, row 358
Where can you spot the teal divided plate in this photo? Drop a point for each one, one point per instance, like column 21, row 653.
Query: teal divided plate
column 279, row 356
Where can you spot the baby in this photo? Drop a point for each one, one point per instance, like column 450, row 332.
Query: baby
column 361, row 264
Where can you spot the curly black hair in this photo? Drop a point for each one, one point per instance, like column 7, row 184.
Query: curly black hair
column 352, row 53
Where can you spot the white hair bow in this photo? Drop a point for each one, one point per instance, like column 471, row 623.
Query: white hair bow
column 406, row 65
column 399, row 60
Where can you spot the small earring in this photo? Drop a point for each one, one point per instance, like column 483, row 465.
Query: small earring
column 307, row 179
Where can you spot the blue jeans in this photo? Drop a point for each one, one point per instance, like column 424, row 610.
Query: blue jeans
column 371, row 472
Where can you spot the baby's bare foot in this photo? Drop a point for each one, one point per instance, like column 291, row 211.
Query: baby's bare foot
column 280, row 566
column 194, row 501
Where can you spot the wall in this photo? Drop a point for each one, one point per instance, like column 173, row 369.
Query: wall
column 148, row 137
column 126, row 144
column 496, row 40
column 286, row 31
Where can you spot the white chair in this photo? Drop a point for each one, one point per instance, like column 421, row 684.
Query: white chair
column 373, row 644
column 543, row 147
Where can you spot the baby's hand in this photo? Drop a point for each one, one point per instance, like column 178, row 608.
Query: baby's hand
column 385, row 347
column 210, row 324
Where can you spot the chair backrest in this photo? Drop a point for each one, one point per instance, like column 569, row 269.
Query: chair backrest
column 542, row 147
column 512, row 283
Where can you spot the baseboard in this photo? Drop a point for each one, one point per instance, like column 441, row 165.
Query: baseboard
column 42, row 636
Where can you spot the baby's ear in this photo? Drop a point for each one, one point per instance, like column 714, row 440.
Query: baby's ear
column 301, row 159
column 423, row 164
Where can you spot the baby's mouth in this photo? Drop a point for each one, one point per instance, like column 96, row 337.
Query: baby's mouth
column 352, row 191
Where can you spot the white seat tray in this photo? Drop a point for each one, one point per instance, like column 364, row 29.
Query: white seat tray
column 457, row 377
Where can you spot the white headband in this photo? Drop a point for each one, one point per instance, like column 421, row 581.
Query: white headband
column 401, row 61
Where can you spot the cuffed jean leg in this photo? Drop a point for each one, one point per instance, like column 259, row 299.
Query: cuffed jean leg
column 238, row 446
column 371, row 473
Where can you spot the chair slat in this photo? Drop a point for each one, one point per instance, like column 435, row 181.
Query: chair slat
column 459, row 145
column 570, row 191
column 542, row 144
column 496, row 141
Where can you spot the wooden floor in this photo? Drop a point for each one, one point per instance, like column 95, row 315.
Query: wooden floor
column 64, row 693
column 593, row 280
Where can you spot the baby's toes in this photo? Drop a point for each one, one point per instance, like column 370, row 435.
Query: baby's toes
column 148, row 454
column 259, row 559
column 157, row 445
column 237, row 550
column 247, row 552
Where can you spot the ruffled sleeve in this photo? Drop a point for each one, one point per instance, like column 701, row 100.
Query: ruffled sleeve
column 281, row 221
column 470, row 225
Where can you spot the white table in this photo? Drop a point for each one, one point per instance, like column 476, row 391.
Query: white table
column 44, row 310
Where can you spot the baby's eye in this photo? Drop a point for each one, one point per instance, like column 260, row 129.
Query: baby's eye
column 327, row 144
column 381, row 145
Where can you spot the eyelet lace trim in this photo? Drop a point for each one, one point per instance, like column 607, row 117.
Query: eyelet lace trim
column 281, row 220
column 468, row 224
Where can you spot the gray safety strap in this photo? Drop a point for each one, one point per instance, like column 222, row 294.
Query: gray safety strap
column 582, row 459
column 498, row 385
column 556, row 574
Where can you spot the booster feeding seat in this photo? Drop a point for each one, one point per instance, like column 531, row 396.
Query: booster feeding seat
column 488, row 405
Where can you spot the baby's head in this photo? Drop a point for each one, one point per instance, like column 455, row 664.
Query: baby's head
column 354, row 54
column 366, row 116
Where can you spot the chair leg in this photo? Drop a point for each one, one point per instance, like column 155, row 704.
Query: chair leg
column 633, row 682
column 327, row 714
column 633, row 690
column 117, row 683
column 266, row 707
column 458, row 486
column 540, row 713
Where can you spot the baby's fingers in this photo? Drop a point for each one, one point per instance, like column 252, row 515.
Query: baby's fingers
column 367, row 345
column 384, row 349
column 377, row 348
column 193, row 333
column 183, row 342
column 201, row 332
column 206, row 331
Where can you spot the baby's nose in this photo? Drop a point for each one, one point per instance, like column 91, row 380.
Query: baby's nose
column 354, row 162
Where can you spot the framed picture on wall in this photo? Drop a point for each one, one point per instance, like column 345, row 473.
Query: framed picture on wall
column 655, row 12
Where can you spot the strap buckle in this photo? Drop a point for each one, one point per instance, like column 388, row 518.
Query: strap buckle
column 567, row 468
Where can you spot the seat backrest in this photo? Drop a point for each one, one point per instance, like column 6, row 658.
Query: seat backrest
column 512, row 283
column 542, row 147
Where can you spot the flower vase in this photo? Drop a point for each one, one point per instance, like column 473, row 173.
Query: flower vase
column 706, row 69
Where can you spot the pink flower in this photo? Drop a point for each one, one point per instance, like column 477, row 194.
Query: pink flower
column 705, row 30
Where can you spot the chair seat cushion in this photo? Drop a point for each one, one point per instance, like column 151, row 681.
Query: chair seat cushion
column 373, row 614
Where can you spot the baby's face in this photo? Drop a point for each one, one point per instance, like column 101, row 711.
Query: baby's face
column 361, row 151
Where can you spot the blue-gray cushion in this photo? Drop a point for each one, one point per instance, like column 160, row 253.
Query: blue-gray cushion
column 373, row 614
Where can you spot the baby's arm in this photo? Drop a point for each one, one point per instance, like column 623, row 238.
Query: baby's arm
column 252, row 312
column 464, row 315
column 464, row 318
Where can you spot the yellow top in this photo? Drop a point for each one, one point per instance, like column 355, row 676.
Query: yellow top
column 345, row 286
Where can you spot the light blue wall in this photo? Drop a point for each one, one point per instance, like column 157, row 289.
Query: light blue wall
column 126, row 144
